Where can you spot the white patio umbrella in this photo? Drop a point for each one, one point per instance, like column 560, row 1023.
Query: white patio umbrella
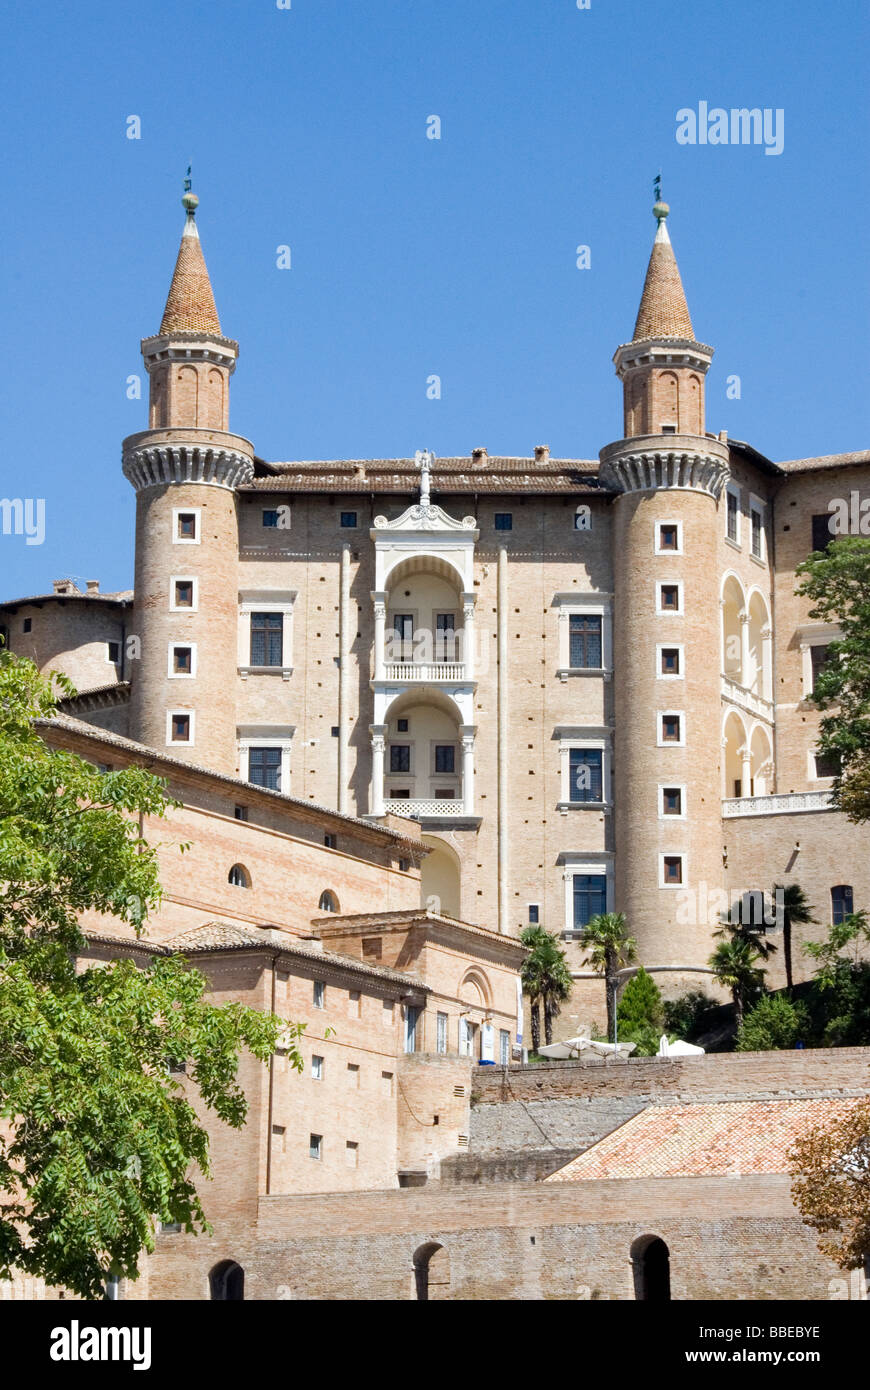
column 678, row 1048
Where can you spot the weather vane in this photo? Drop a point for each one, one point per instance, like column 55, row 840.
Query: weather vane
column 187, row 184
column 657, row 186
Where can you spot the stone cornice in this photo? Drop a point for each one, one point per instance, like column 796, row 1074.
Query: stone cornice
column 156, row 458
column 665, row 461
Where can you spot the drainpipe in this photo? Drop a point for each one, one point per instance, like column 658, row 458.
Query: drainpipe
column 271, row 1093
column 502, row 741
column 344, row 679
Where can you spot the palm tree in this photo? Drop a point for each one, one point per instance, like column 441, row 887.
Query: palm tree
column 734, row 963
column 610, row 949
column 737, row 925
column 796, row 911
column 546, row 980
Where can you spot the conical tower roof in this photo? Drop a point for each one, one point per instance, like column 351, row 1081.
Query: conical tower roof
column 190, row 306
column 663, row 311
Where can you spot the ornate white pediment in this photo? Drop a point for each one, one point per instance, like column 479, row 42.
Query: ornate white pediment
column 425, row 516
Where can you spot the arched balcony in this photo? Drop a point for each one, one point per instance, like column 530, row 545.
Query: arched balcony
column 747, row 648
column 424, row 623
column 423, row 757
column 747, row 761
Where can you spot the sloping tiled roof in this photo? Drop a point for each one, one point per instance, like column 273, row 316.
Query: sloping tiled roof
column 449, row 475
column 663, row 311
column 811, row 465
column 190, row 305
column 727, row 1138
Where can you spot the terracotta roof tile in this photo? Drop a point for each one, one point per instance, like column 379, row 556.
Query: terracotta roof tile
column 663, row 311
column 190, row 305
column 718, row 1140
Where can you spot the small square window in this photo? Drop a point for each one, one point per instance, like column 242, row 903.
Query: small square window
column 184, row 593
column 113, row 652
column 330, row 841
column 319, row 994
column 182, row 661
column 335, row 731
column 669, row 598
column 669, row 536
column 186, row 526
column 672, row 801
column 670, row 728
column 672, row 868
column 669, row 429
column 404, row 866
column 372, row 947
column 353, row 1075
column 348, row 520
column 670, row 661
column 27, row 625
column 241, row 813
column 315, row 1146
column 504, row 521
column 400, row 757
column 402, row 725
column 270, row 517
column 827, row 765
column 534, row 914
column 181, row 728
column 316, row 1068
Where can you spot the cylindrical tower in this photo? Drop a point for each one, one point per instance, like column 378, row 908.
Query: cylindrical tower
column 668, row 475
column 185, row 470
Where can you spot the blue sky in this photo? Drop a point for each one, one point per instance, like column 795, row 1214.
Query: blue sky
column 410, row 257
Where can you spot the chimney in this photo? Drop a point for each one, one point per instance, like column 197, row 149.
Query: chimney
column 542, row 453
column 478, row 457
column 93, row 586
column 64, row 586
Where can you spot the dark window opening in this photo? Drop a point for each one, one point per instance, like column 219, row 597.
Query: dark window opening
column 445, row 757
column 504, row 521
column 267, row 639
column 227, row 1282
column 670, row 661
column 670, row 728
column 348, row 519
column 585, row 783
column 822, row 533
column 181, row 728
column 264, row 767
column 668, row 536
column 584, row 636
column 841, row 903
column 672, row 801
column 590, row 898
column 400, row 757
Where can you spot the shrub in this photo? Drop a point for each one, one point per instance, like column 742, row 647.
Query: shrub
column 774, row 1024
column 690, row 1015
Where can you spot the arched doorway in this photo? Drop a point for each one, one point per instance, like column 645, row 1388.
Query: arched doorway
column 440, row 878
column 227, row 1282
column 431, row 1272
column 651, row 1266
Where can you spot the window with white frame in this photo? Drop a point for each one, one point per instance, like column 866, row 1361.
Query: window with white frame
column 181, row 727
column 504, row 1047
column 585, row 633
column 441, row 1033
column 672, row 870
column 588, row 879
column 317, row 1065
column 183, row 593
column 585, row 757
column 668, row 538
column 669, row 598
column 182, row 660
column 669, row 661
column 732, row 513
column 185, row 525
column 266, row 631
column 672, row 801
column 264, row 755
column 670, row 728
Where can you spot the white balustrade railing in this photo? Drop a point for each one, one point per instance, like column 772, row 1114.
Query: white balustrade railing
column 785, row 803
column 435, row 806
column 424, row 671
column 747, row 699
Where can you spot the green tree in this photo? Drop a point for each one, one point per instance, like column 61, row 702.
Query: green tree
column 740, row 924
column 735, row 965
column 689, row 1015
column 99, row 1141
column 794, row 909
column 640, row 1014
column 839, row 1002
column 773, row 1024
column 610, row 949
column 837, row 583
column 546, row 980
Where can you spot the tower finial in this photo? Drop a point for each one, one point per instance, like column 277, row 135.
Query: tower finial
column 661, row 209
column 423, row 459
column 189, row 200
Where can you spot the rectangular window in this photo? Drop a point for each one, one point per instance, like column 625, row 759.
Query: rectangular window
column 318, row 994
column 412, row 1018
column 672, row 869
column 354, row 1003
column 181, row 728
column 403, row 637
column 402, row 726
column 443, row 794
column 270, row 517
column 184, row 593
column 330, row 841
column 818, row 658
column 441, row 1033
column 672, row 801
column 504, row 1047
column 387, row 1013
column 182, row 661
column 755, row 518
column 585, row 774
column 348, row 520
column 827, row 765
column 590, row 898
column 315, row 1146
column 264, row 767
column 534, row 914
column 386, row 1083
column 445, row 637
column 841, row 903
column 400, row 794
column 351, row 1153
column 113, row 652
column 504, row 521
column 445, row 757
column 669, row 536
column 372, row 947
column 185, row 523
column 27, row 625
column 733, row 506
column 670, row 659
column 400, row 757
column 267, row 639
column 822, row 533
column 241, row 812
column 670, row 728
column 669, row 598
column 584, row 638
column 316, row 1068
